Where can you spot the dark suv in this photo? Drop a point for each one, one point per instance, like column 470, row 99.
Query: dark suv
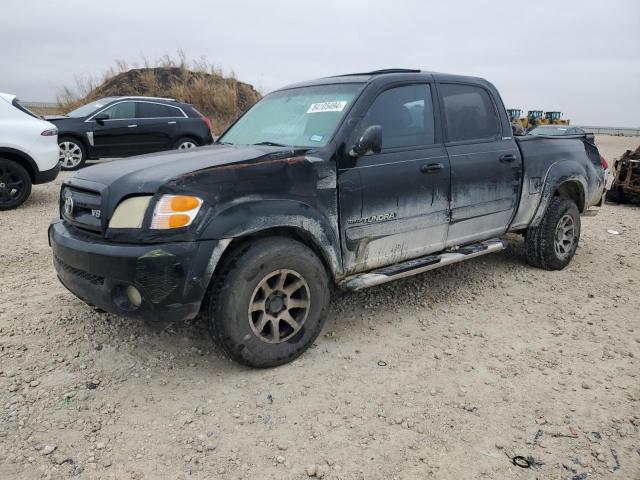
column 124, row 126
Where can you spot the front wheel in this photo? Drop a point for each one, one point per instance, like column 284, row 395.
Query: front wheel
column 72, row 154
column 268, row 302
column 552, row 244
column 15, row 184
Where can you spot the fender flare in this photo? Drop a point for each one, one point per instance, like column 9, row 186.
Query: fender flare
column 253, row 216
column 559, row 174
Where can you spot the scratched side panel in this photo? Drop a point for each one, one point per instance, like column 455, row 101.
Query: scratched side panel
column 548, row 162
column 484, row 189
column 391, row 210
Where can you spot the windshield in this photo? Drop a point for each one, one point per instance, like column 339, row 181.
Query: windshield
column 548, row 131
column 89, row 108
column 301, row 117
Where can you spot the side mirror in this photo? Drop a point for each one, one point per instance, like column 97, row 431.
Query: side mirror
column 101, row 117
column 370, row 141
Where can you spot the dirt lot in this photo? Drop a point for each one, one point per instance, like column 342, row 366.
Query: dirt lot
column 445, row 375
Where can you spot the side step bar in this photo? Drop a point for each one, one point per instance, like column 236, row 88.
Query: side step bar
column 419, row 265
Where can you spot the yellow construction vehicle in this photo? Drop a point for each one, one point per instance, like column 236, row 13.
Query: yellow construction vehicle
column 516, row 122
column 553, row 118
column 514, row 114
column 533, row 119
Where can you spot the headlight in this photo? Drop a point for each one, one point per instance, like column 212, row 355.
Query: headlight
column 175, row 211
column 130, row 212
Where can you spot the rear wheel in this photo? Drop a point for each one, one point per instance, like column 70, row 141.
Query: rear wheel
column 553, row 243
column 185, row 143
column 15, row 184
column 268, row 302
column 72, row 153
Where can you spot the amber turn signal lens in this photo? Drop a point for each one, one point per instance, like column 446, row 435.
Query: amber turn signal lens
column 179, row 220
column 175, row 211
column 183, row 203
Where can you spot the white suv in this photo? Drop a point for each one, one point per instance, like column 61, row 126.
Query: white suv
column 28, row 152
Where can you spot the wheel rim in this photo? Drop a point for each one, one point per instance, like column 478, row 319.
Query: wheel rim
column 11, row 185
column 70, row 154
column 279, row 306
column 565, row 236
column 186, row 145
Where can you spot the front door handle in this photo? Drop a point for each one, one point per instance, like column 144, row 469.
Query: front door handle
column 431, row 167
column 132, row 126
column 508, row 158
column 171, row 123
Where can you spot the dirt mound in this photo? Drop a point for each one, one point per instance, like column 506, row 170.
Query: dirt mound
column 221, row 98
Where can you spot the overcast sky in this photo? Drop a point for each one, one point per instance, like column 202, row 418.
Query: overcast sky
column 579, row 57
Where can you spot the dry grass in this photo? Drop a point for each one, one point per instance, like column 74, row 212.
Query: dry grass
column 222, row 98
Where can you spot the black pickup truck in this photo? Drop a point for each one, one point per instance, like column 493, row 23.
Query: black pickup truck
column 349, row 181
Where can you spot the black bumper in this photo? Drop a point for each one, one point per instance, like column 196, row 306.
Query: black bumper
column 47, row 175
column 172, row 278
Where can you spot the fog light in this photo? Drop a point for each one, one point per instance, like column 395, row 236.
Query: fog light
column 134, row 296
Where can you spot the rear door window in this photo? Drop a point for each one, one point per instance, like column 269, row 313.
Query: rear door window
column 157, row 110
column 469, row 112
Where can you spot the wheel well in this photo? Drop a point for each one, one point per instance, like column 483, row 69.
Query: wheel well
column 572, row 191
column 77, row 138
column 288, row 232
column 21, row 159
column 190, row 137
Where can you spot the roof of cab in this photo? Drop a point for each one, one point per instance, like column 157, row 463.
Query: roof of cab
column 389, row 74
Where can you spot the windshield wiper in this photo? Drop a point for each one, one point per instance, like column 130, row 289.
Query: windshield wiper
column 272, row 144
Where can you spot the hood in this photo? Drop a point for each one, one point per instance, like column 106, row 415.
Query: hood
column 145, row 173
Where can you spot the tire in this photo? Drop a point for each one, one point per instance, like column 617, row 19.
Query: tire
column 15, row 184
column 240, row 310
column 553, row 243
column 185, row 143
column 72, row 154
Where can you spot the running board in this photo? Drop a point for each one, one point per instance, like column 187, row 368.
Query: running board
column 419, row 265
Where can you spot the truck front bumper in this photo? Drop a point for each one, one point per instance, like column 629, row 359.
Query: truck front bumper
column 162, row 281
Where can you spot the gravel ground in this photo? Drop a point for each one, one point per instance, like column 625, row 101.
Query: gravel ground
column 444, row 375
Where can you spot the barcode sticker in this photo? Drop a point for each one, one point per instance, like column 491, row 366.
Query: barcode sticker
column 327, row 107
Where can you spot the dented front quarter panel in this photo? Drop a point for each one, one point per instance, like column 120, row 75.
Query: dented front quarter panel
column 284, row 188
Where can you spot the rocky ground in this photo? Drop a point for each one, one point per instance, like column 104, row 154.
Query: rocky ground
column 445, row 375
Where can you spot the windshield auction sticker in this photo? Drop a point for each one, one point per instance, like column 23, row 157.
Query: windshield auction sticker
column 327, row 107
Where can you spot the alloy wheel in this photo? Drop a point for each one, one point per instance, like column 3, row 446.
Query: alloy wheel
column 279, row 306
column 70, row 154
column 186, row 145
column 11, row 185
column 564, row 237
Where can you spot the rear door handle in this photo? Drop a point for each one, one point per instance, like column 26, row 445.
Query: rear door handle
column 508, row 158
column 171, row 123
column 132, row 126
column 431, row 167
